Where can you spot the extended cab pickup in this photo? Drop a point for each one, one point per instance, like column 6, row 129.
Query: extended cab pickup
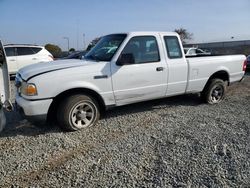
column 122, row 69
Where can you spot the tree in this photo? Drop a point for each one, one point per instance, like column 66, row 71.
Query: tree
column 72, row 50
column 184, row 35
column 93, row 43
column 54, row 50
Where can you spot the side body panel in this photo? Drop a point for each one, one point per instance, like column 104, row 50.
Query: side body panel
column 201, row 68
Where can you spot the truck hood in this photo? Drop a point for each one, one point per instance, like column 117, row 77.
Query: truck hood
column 40, row 68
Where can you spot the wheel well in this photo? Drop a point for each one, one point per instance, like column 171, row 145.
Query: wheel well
column 223, row 75
column 61, row 96
column 220, row 75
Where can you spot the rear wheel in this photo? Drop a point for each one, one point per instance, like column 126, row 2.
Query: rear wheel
column 214, row 91
column 78, row 112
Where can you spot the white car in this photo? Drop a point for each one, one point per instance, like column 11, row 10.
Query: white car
column 141, row 66
column 19, row 56
column 195, row 52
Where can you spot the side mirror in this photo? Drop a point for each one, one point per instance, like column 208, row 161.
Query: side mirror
column 125, row 59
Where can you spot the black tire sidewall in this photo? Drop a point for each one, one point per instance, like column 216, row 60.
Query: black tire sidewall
column 214, row 83
column 66, row 107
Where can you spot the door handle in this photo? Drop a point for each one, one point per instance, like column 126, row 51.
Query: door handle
column 34, row 58
column 159, row 69
column 12, row 60
column 100, row 76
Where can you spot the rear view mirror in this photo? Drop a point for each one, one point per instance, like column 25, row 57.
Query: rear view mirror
column 125, row 59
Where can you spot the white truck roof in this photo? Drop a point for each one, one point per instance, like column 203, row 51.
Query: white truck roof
column 149, row 33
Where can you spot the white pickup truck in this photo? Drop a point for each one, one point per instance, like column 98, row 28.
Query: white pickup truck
column 121, row 69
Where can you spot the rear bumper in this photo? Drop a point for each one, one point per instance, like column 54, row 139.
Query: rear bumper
column 242, row 79
column 33, row 110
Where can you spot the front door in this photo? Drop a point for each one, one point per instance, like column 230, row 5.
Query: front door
column 142, row 74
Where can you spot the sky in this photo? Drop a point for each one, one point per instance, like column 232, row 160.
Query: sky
column 48, row 21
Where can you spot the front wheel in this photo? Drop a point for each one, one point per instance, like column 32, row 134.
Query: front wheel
column 214, row 91
column 77, row 112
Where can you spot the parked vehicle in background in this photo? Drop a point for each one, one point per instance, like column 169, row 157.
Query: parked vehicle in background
column 76, row 55
column 122, row 69
column 196, row 52
column 248, row 62
column 19, row 55
column 4, row 87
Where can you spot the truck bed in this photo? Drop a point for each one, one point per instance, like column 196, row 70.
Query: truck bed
column 201, row 68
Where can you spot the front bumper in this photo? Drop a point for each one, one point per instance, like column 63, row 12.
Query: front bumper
column 34, row 110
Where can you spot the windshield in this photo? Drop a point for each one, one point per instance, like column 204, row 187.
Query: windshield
column 106, row 48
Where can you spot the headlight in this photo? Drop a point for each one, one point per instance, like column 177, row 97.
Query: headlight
column 28, row 89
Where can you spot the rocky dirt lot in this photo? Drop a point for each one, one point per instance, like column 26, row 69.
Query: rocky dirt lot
column 173, row 142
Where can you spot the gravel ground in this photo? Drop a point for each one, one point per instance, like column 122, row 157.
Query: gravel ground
column 173, row 142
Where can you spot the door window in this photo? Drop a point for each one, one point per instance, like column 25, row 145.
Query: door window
column 143, row 49
column 173, row 47
column 36, row 49
column 24, row 51
column 10, row 51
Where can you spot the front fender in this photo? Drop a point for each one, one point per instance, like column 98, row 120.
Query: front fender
column 77, row 84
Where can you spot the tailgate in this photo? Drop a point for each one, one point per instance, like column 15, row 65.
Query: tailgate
column 4, row 80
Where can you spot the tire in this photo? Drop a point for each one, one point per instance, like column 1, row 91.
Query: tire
column 215, row 91
column 78, row 112
column 2, row 119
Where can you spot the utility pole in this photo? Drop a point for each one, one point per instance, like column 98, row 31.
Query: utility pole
column 77, row 35
column 67, row 38
column 84, row 44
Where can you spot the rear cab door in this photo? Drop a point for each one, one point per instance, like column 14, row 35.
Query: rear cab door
column 177, row 64
column 4, row 86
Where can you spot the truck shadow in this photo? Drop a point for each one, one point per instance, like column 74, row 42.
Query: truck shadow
column 17, row 126
column 182, row 100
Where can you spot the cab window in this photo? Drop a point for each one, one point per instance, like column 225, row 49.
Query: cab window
column 173, row 47
column 142, row 49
